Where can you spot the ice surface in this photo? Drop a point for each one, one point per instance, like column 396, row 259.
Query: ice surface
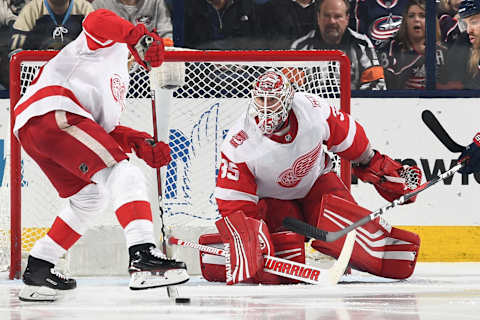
column 435, row 291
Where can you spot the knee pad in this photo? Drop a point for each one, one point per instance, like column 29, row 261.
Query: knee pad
column 125, row 182
column 83, row 206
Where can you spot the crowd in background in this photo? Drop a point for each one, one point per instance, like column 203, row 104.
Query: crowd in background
column 384, row 39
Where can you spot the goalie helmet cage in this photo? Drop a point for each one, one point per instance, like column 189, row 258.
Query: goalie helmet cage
column 197, row 114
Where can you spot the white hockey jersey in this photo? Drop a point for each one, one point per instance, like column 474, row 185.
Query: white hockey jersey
column 88, row 77
column 255, row 166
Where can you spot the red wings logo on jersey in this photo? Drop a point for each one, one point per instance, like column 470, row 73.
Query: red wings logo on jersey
column 119, row 89
column 300, row 168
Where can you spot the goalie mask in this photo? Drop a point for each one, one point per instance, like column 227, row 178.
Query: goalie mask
column 272, row 96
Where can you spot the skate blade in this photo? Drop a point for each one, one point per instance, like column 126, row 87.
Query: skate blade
column 151, row 279
column 38, row 294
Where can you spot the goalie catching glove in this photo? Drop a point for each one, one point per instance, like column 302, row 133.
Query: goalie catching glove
column 155, row 154
column 148, row 50
column 390, row 178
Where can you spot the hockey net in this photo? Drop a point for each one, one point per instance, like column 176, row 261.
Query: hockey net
column 193, row 116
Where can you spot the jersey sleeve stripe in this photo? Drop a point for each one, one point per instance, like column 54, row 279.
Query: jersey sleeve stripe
column 358, row 147
column 229, row 194
column 48, row 92
column 99, row 44
column 347, row 142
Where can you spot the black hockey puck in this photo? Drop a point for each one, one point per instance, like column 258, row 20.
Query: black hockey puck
column 182, row 300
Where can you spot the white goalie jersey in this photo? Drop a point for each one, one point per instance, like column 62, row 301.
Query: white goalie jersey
column 255, row 166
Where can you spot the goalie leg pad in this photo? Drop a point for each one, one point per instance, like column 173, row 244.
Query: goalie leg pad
column 380, row 249
column 288, row 245
column 212, row 266
column 244, row 254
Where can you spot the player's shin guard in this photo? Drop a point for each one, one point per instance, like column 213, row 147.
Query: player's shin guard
column 380, row 249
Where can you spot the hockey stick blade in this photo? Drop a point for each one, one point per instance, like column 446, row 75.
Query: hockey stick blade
column 437, row 129
column 307, row 230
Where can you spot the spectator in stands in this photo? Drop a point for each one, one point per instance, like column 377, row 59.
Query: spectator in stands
column 379, row 20
column 7, row 17
column 403, row 59
column 8, row 14
column 332, row 33
column 48, row 24
column 465, row 58
column 152, row 13
column 220, row 24
column 286, row 20
column 450, row 28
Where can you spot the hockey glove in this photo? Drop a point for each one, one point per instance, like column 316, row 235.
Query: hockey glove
column 471, row 156
column 155, row 154
column 148, row 50
column 390, row 178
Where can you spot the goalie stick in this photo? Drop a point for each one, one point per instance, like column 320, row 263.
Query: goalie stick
column 307, row 230
column 437, row 129
column 290, row 269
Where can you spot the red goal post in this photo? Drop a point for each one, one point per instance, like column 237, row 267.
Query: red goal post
column 216, row 83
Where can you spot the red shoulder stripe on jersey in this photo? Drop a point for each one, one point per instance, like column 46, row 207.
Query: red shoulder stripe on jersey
column 94, row 43
column 48, row 92
column 359, row 144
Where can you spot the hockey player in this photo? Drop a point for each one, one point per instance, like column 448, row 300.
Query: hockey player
column 273, row 166
column 68, row 122
column 472, row 156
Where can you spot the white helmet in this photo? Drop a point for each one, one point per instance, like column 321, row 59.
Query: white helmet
column 272, row 96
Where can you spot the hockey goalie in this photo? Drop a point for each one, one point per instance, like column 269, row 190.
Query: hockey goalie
column 273, row 166
column 68, row 122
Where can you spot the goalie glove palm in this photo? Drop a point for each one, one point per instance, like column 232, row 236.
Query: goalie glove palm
column 148, row 51
column 390, row 178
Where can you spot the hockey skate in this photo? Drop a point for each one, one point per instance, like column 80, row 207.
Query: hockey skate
column 42, row 281
column 150, row 268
